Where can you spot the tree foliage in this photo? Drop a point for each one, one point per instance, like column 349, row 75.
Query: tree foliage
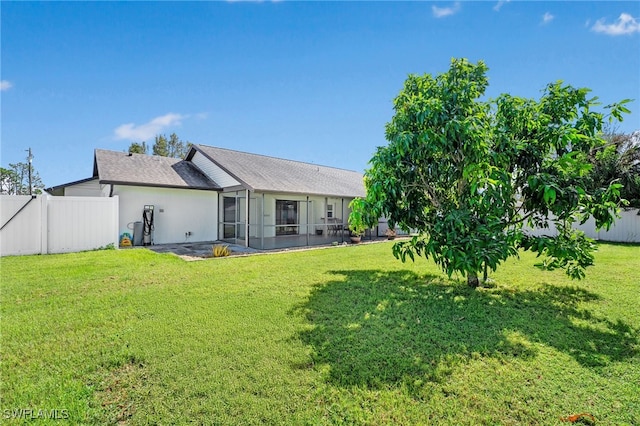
column 15, row 179
column 618, row 161
column 171, row 147
column 138, row 148
column 474, row 177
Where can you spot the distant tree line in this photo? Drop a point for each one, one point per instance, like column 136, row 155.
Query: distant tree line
column 162, row 146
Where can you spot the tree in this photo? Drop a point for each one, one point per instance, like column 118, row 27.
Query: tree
column 160, row 146
column 177, row 148
column 618, row 160
column 473, row 177
column 15, row 179
column 138, row 148
column 8, row 181
column 172, row 147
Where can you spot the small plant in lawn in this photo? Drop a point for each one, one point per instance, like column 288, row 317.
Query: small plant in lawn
column 109, row 246
column 221, row 250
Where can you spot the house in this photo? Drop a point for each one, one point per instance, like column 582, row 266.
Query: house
column 221, row 194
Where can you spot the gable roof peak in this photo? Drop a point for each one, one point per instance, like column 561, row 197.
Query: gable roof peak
column 272, row 174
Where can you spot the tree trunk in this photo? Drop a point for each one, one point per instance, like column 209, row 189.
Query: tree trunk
column 472, row 280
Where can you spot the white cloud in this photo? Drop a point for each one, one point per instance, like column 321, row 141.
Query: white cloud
column 547, row 17
column 499, row 5
column 148, row 130
column 5, row 85
column 441, row 12
column 626, row 24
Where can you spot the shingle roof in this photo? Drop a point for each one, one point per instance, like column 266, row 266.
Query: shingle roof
column 149, row 170
column 270, row 174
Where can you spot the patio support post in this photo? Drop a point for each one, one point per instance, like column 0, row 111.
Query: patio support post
column 342, row 214
column 262, row 231
column 325, row 230
column 246, row 232
column 219, row 225
column 307, row 220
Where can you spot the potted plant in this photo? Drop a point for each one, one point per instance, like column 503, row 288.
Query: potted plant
column 356, row 235
column 357, row 227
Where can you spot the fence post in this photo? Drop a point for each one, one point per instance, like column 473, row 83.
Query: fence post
column 115, row 208
column 44, row 224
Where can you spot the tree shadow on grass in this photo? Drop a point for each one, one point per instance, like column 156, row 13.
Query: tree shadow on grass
column 375, row 328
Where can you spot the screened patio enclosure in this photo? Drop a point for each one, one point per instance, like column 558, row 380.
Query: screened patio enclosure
column 266, row 221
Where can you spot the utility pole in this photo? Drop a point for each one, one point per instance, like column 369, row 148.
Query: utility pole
column 30, row 159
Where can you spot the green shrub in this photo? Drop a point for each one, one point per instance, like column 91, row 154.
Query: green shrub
column 221, row 250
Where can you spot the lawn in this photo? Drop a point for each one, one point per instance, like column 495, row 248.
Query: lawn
column 344, row 335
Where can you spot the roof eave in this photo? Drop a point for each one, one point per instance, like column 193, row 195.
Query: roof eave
column 65, row 185
column 316, row 194
column 156, row 185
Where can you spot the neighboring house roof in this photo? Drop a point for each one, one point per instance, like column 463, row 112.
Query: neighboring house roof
column 270, row 174
column 59, row 189
column 148, row 170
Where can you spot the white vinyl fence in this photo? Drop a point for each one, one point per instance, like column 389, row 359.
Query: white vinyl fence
column 626, row 229
column 46, row 224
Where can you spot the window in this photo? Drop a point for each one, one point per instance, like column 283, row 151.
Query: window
column 330, row 211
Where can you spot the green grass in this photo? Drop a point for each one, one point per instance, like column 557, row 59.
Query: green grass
column 346, row 335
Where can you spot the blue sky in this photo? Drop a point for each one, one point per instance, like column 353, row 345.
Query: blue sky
column 309, row 81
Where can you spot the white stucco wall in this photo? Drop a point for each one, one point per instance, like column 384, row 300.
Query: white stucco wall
column 91, row 188
column 176, row 212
